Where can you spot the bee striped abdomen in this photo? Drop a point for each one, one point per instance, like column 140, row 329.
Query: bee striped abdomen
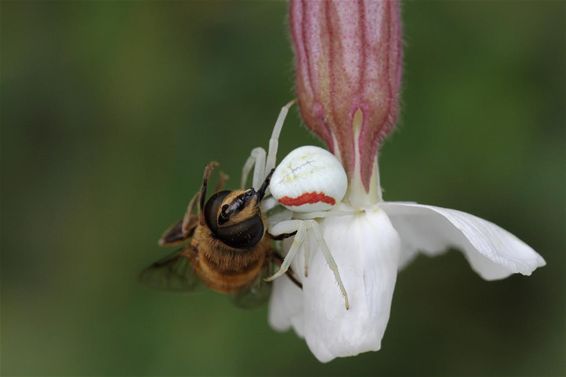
column 225, row 269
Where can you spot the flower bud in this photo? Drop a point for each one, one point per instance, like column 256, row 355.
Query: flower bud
column 348, row 57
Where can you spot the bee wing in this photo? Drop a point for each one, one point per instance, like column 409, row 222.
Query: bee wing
column 257, row 294
column 173, row 273
column 175, row 235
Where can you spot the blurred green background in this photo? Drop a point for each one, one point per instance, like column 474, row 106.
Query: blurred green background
column 110, row 110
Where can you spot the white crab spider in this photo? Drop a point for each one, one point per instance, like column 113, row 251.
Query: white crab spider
column 309, row 182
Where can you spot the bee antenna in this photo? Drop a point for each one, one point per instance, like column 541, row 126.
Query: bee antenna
column 261, row 192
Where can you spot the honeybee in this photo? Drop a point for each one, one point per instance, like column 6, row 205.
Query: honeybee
column 225, row 245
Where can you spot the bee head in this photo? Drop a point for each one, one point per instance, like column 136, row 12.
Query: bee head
column 237, row 206
column 235, row 218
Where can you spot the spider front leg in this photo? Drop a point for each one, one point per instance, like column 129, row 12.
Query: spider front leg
column 305, row 229
column 257, row 162
column 274, row 140
column 262, row 162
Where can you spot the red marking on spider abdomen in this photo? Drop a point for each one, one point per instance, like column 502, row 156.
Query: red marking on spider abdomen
column 307, row 198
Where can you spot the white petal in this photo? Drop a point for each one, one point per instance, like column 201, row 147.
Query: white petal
column 286, row 306
column 286, row 301
column 492, row 252
column 366, row 249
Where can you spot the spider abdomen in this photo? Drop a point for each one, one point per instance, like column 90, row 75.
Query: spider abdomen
column 309, row 179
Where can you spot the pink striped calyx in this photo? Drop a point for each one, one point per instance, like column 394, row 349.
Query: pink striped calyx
column 348, row 61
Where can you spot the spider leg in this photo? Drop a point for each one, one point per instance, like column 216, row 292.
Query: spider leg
column 302, row 228
column 287, row 227
column 278, row 259
column 257, row 162
column 268, row 204
column 307, row 256
column 330, row 261
column 274, row 140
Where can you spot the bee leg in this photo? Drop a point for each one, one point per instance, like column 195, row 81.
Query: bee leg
column 202, row 194
column 173, row 236
column 221, row 182
column 257, row 162
column 189, row 222
column 278, row 259
column 183, row 229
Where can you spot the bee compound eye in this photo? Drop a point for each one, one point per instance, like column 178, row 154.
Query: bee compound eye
column 243, row 235
column 223, row 216
column 212, row 208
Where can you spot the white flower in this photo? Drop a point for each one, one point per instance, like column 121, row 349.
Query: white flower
column 370, row 246
column 348, row 89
